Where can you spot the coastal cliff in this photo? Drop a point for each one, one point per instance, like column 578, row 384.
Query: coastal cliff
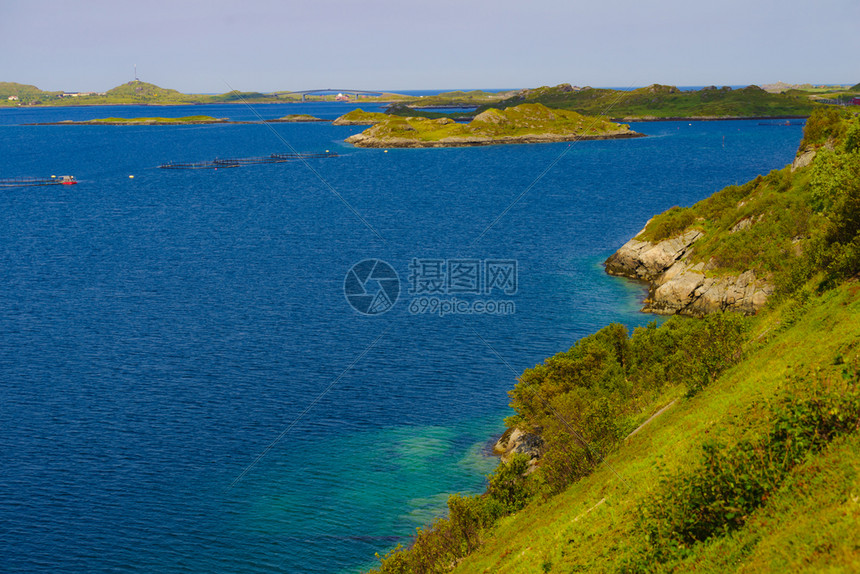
column 677, row 285
column 694, row 444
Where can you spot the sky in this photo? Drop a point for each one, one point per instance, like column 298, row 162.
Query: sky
column 214, row 46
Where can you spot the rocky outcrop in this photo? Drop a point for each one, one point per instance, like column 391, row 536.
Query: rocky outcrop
column 678, row 286
column 803, row 159
column 688, row 290
column 516, row 441
column 646, row 260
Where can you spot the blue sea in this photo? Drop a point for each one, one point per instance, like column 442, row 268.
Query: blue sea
column 185, row 387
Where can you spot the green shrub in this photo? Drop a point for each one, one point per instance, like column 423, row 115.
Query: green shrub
column 719, row 494
column 507, row 488
column 713, row 345
column 824, row 124
column 585, row 400
column 670, row 223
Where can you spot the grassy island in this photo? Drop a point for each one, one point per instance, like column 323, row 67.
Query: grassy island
column 662, row 102
column 297, row 118
column 154, row 121
column 727, row 443
column 527, row 123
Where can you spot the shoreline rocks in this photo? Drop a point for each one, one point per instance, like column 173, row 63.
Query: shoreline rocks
column 679, row 287
column 362, row 140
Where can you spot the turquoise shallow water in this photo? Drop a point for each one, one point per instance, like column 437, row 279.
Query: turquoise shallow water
column 158, row 334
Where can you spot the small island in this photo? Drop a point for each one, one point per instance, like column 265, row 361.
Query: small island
column 186, row 120
column 526, row 123
column 297, row 118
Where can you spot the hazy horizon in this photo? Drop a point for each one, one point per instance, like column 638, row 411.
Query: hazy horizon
column 211, row 47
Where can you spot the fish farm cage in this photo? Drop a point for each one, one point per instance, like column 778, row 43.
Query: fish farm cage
column 240, row 161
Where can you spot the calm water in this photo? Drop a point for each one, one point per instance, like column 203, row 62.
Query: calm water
column 158, row 334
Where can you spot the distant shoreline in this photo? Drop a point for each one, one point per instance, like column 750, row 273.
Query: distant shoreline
column 321, row 120
column 704, row 118
column 216, row 122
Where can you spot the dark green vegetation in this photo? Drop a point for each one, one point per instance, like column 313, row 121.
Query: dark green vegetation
column 789, row 223
column 658, row 101
column 755, row 465
column 520, row 124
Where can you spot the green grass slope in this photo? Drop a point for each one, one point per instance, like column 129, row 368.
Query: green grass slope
column 21, row 90
column 359, row 117
column 804, row 522
column 717, row 444
column 657, row 101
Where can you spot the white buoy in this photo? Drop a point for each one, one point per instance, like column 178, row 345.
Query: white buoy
column 131, row 177
column 53, row 176
column 386, row 151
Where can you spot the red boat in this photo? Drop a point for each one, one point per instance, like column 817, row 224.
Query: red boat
column 33, row 181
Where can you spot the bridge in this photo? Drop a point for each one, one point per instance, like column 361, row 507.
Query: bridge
column 354, row 93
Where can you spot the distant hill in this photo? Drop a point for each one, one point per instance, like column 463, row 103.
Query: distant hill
column 658, row 101
column 15, row 89
column 132, row 92
column 25, row 92
column 142, row 90
column 855, row 88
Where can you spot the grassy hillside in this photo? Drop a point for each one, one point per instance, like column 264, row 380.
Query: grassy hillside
column 359, row 117
column 24, row 92
column 759, row 472
column 666, row 101
column 135, row 92
column 716, row 444
column 491, row 126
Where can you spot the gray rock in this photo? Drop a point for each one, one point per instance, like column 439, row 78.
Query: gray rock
column 517, row 441
column 803, row 159
column 645, row 260
column 682, row 288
